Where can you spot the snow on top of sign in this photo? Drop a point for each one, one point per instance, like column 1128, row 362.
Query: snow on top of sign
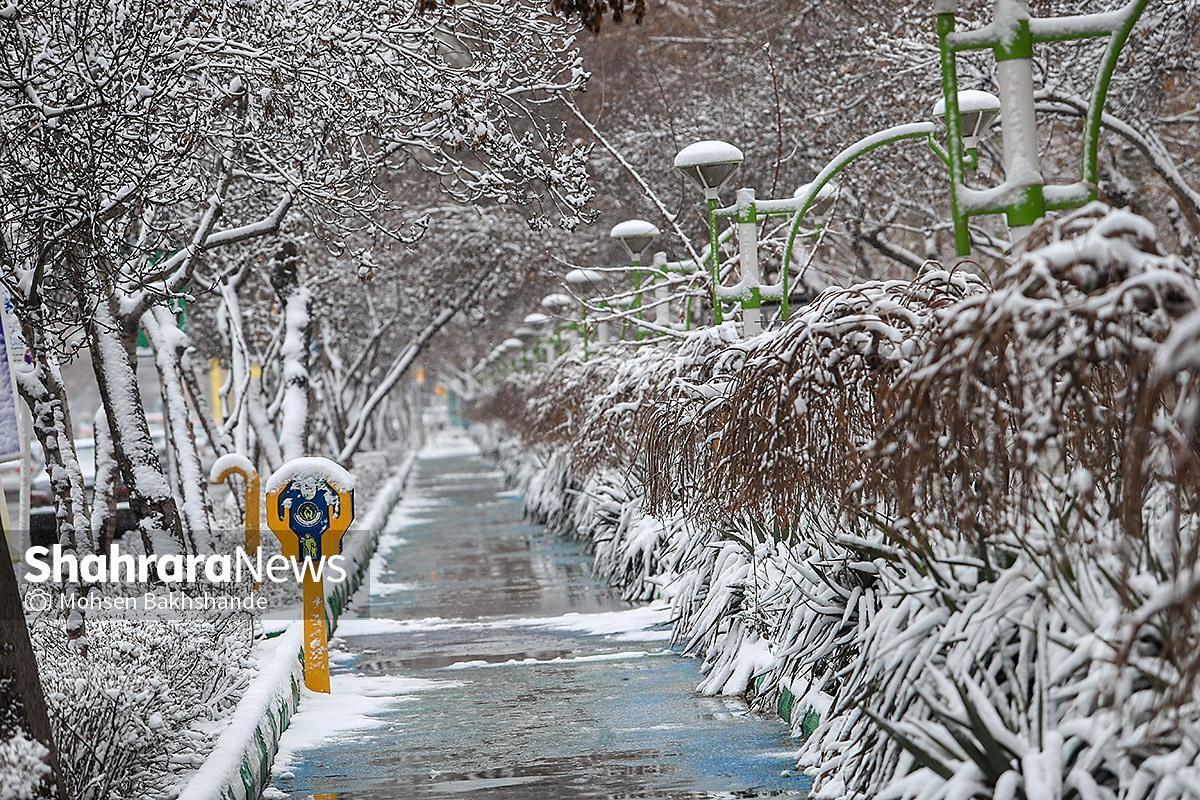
column 235, row 461
column 313, row 469
column 969, row 101
column 708, row 152
column 633, row 227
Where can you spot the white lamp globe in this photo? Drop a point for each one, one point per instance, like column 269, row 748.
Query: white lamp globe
column 635, row 235
column 977, row 110
column 709, row 164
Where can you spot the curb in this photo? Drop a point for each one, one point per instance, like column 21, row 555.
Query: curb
column 239, row 766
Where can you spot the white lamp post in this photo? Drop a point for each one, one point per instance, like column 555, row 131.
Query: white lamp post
column 635, row 235
column 662, row 305
column 710, row 164
column 582, row 282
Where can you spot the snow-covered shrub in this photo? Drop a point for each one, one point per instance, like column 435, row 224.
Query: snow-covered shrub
column 780, row 433
column 951, row 530
column 129, row 713
column 23, row 767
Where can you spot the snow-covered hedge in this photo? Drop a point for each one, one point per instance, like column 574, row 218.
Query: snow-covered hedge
column 129, row 712
column 948, row 528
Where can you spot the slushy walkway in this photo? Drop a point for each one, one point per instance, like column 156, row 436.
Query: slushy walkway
column 489, row 663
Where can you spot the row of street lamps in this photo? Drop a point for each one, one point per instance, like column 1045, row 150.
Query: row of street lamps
column 967, row 118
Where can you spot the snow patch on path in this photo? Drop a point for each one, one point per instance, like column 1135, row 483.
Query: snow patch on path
column 633, row 624
column 523, row 662
column 600, row 623
column 349, row 708
column 450, row 446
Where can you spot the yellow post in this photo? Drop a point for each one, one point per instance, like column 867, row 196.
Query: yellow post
column 316, row 636
column 310, row 527
column 215, row 382
column 252, row 494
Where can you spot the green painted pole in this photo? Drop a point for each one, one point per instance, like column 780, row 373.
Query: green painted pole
column 714, row 259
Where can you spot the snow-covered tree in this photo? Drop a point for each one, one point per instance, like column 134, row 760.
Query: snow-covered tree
column 142, row 141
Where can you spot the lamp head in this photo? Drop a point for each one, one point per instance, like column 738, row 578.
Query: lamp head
column 581, row 278
column 635, row 235
column 536, row 320
column 977, row 111
column 525, row 334
column 823, row 202
column 556, row 302
column 709, row 164
column 512, row 343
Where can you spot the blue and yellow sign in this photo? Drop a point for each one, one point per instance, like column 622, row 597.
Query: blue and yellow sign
column 310, row 505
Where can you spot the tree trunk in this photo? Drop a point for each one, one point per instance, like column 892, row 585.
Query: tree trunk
column 294, row 353
column 104, row 489
column 43, row 391
column 111, row 340
column 169, row 343
column 22, row 702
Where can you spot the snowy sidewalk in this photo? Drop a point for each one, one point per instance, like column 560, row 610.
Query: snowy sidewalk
column 486, row 659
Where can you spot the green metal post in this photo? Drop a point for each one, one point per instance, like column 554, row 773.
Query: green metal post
column 962, row 234
column 1091, row 131
column 848, row 156
column 714, row 258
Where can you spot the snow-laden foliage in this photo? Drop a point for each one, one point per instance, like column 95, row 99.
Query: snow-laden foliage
column 23, row 767
column 949, row 529
column 130, row 714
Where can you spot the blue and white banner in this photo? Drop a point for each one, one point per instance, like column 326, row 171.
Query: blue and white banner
column 10, row 432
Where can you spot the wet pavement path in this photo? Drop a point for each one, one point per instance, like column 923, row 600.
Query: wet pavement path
column 490, row 663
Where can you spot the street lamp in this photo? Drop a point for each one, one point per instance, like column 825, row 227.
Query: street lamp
column 557, row 304
column 537, row 322
column 710, row 164
column 977, row 110
column 527, row 336
column 510, row 347
column 581, row 281
column 1024, row 197
column 635, row 235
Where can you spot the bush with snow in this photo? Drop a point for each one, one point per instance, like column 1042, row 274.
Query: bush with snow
column 23, row 767
column 130, row 713
column 949, row 528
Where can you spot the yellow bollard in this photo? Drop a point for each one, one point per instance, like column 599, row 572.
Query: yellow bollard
column 310, row 505
column 216, row 381
column 234, row 464
column 316, row 634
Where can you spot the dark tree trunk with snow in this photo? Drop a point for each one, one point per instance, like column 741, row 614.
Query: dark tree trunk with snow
column 22, row 702
column 112, row 340
column 169, row 344
column 43, row 391
column 296, row 300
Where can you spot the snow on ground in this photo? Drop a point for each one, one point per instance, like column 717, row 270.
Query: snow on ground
column 521, row 662
column 599, row 623
column 348, row 712
column 450, row 446
column 634, row 624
